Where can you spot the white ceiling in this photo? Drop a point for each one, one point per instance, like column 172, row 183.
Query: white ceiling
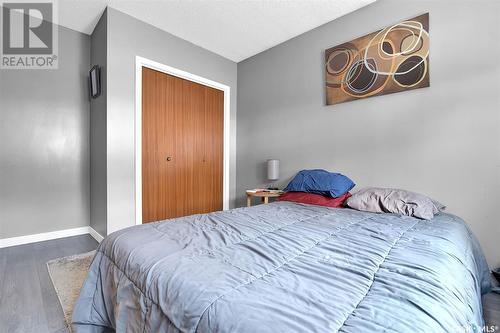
column 235, row 29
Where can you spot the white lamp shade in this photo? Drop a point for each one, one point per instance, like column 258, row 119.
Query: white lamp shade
column 273, row 169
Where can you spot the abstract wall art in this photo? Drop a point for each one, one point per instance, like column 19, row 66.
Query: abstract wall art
column 391, row 60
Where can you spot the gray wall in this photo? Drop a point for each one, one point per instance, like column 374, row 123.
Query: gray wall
column 127, row 38
column 442, row 141
column 98, row 170
column 44, row 143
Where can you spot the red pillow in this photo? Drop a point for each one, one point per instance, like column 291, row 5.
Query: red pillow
column 315, row 199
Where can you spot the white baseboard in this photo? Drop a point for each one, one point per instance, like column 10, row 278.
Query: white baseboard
column 97, row 236
column 13, row 241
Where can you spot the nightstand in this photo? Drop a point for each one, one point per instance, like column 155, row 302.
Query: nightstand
column 264, row 196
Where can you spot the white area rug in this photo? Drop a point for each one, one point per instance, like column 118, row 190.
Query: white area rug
column 67, row 275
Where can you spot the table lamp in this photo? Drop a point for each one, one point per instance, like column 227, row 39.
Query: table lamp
column 273, row 172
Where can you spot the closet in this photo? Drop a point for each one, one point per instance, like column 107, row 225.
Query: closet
column 182, row 147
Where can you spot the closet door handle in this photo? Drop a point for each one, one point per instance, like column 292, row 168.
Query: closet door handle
column 169, row 158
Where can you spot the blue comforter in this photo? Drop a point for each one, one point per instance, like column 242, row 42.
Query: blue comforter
column 287, row 267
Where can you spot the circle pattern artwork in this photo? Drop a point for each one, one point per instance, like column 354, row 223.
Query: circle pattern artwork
column 391, row 60
column 359, row 78
column 411, row 77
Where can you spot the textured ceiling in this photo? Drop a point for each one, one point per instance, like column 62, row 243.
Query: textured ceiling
column 235, row 29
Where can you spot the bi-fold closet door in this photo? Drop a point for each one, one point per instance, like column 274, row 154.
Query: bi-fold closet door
column 182, row 147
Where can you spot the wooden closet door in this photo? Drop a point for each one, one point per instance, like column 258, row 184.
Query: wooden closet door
column 182, row 147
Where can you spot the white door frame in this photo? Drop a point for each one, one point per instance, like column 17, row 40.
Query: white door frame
column 141, row 62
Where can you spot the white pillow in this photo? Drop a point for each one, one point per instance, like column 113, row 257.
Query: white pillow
column 387, row 200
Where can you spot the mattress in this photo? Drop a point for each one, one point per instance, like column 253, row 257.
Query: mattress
column 287, row 267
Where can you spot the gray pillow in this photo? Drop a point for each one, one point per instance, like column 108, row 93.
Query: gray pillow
column 388, row 200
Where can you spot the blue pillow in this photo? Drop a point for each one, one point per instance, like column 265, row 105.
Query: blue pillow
column 321, row 182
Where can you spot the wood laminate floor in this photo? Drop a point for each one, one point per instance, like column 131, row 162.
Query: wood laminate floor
column 28, row 302
column 491, row 309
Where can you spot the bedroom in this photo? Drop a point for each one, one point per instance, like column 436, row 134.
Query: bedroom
column 70, row 162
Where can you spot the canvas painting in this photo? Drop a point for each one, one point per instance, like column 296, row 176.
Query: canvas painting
column 391, row 60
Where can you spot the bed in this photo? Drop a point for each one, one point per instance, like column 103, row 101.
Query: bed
column 287, row 267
